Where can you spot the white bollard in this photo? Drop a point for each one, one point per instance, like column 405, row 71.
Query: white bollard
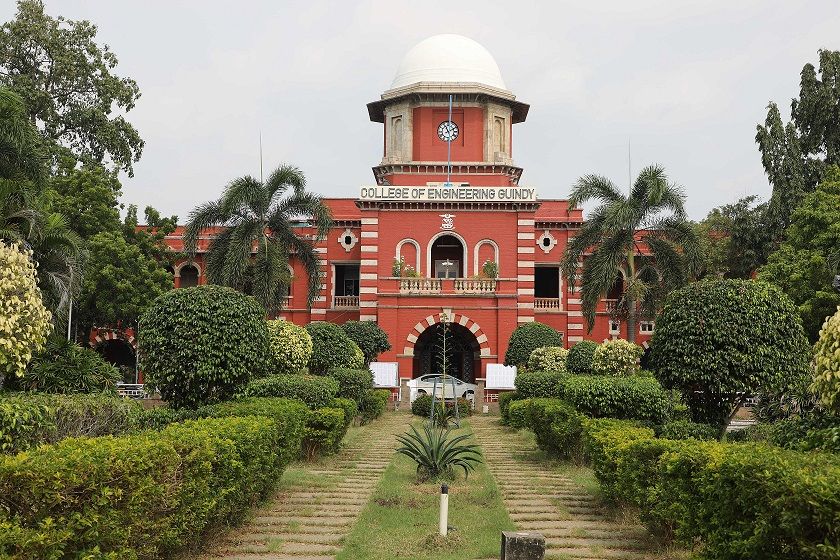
column 444, row 510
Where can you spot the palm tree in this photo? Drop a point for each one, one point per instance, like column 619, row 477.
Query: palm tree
column 653, row 217
column 252, row 252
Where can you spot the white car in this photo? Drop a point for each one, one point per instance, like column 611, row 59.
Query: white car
column 425, row 384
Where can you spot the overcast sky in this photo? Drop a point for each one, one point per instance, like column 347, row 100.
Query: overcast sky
column 685, row 82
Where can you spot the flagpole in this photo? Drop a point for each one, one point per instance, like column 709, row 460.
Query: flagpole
column 449, row 149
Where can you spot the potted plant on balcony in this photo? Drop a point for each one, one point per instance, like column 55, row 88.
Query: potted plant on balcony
column 490, row 269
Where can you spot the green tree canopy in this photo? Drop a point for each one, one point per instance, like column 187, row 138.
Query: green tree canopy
column 69, row 87
column 806, row 263
column 88, row 197
column 252, row 252
column 735, row 239
column 21, row 148
column 795, row 155
column 120, row 281
column 652, row 216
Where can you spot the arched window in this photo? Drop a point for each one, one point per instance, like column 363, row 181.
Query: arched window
column 499, row 126
column 485, row 250
column 409, row 251
column 189, row 276
column 447, row 256
column 396, row 135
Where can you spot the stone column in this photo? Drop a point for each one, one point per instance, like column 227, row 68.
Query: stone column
column 405, row 394
column 522, row 546
column 479, row 394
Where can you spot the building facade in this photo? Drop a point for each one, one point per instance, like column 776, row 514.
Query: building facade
column 445, row 231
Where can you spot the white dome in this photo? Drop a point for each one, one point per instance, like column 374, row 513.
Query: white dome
column 448, row 58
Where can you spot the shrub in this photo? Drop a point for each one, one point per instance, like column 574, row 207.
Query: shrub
column 65, row 367
column 370, row 338
column 422, row 406
column 539, row 384
column 325, row 428
column 374, row 404
column 353, row 383
column 632, row 398
column 579, row 359
column 141, row 496
column 24, row 321
column 517, row 413
column 528, row 337
column 686, row 429
column 357, row 359
column 350, row 408
column 827, row 363
column 200, row 345
column 159, row 417
column 505, row 400
column 548, row 358
column 290, row 347
column 315, row 391
column 618, row 358
column 437, row 454
column 718, row 340
column 557, row 426
column 331, row 347
column 290, row 418
column 27, row 419
column 603, row 439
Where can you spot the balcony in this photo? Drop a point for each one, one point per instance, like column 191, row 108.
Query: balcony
column 346, row 302
column 454, row 286
column 610, row 305
column 547, row 304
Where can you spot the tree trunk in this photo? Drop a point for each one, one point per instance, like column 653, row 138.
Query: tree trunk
column 631, row 319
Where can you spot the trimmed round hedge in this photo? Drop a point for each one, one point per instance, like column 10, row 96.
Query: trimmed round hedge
column 372, row 340
column 315, row 391
column 580, row 357
column 827, row 363
column 618, row 358
column 353, row 383
column 291, row 347
column 331, row 347
column 528, row 337
column 717, row 340
column 539, row 384
column 202, row 344
column 548, row 358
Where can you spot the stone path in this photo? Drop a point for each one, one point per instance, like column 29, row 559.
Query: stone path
column 542, row 499
column 316, row 504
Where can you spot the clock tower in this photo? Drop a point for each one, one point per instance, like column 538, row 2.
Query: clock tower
column 422, row 134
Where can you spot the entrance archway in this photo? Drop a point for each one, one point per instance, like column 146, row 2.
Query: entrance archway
column 465, row 353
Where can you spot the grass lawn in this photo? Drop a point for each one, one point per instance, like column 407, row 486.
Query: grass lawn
column 401, row 519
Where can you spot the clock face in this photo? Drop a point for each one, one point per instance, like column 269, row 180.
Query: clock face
column 448, row 131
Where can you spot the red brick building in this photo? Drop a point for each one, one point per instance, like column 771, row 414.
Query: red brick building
column 413, row 246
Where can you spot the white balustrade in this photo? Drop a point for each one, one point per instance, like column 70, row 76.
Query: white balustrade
column 346, row 301
column 547, row 303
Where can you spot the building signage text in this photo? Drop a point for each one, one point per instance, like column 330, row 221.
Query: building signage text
column 450, row 194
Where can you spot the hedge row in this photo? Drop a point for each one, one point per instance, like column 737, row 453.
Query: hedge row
column 315, row 391
column 146, row 495
column 422, row 406
column 740, row 500
column 29, row 419
column 637, row 398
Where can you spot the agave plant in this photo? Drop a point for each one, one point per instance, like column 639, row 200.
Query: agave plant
column 437, row 454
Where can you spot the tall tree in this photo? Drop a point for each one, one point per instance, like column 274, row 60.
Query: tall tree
column 735, row 239
column 252, row 251
column 804, row 265
column 88, row 197
column 617, row 233
column 21, row 149
column 68, row 85
column 795, row 155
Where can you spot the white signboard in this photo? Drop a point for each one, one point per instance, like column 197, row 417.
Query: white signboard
column 454, row 193
column 385, row 374
column 500, row 376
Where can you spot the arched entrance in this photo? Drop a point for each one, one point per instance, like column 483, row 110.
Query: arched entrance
column 120, row 354
column 464, row 362
column 448, row 257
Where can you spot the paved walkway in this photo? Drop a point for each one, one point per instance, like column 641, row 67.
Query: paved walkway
column 557, row 504
column 316, row 504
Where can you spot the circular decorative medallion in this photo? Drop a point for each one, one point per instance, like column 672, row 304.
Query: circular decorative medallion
column 447, row 131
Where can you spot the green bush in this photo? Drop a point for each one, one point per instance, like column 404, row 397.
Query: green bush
column 159, row 417
column 539, row 384
column 632, row 398
column 548, row 358
column 331, row 347
column 686, row 429
column 141, row 496
column 422, row 406
column 200, row 345
column 357, row 359
column 65, row 367
column 370, row 338
column 374, row 404
column 325, row 428
column 290, row 419
column 827, row 363
column 603, row 439
column 517, row 413
column 350, row 408
column 505, row 400
column 290, row 347
column 526, row 338
column 717, row 340
column 618, row 358
column 557, row 427
column 353, row 383
column 28, row 419
column 313, row 390
column 580, row 357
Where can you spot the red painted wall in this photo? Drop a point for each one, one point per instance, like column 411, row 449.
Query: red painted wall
column 469, row 146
